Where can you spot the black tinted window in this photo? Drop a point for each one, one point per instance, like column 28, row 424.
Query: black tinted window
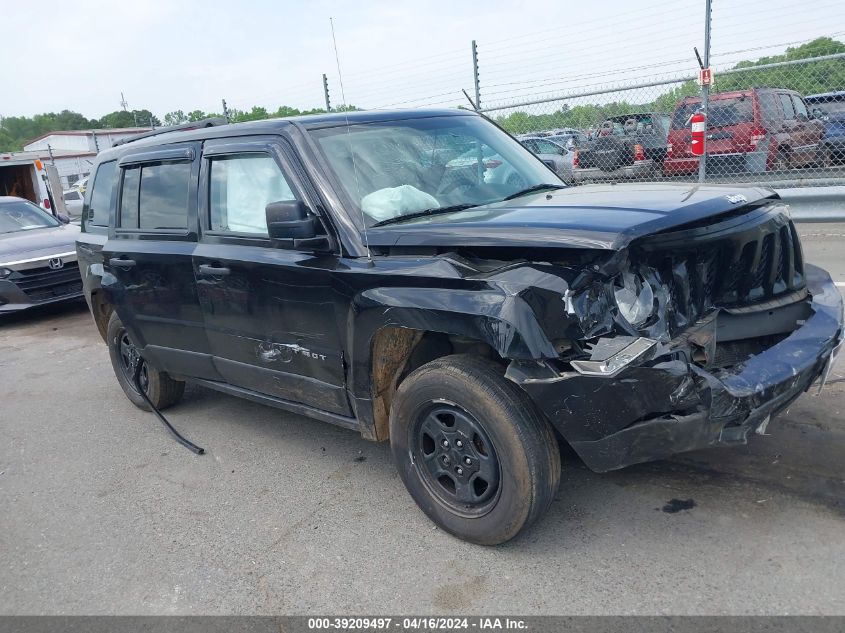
column 129, row 198
column 164, row 196
column 101, row 193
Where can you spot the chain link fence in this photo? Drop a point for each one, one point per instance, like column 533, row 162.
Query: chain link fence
column 779, row 122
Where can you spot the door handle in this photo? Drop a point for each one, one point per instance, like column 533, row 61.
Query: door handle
column 117, row 262
column 214, row 271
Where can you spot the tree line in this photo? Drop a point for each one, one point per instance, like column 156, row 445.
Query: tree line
column 816, row 77
column 812, row 78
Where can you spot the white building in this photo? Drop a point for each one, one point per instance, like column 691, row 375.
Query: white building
column 74, row 150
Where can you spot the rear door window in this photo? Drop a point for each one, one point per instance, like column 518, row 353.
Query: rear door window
column 163, row 202
column 155, row 196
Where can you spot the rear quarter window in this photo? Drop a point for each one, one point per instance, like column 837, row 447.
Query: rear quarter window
column 99, row 206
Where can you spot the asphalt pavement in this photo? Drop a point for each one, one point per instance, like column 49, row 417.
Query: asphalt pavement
column 102, row 512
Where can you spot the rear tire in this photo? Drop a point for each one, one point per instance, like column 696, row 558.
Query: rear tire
column 472, row 449
column 162, row 390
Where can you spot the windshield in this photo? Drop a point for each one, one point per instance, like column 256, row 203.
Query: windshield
column 23, row 216
column 396, row 168
column 730, row 111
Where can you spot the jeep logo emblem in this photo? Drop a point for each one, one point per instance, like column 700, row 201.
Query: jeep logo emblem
column 56, row 263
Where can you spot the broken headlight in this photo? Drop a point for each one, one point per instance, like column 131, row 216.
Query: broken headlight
column 635, row 299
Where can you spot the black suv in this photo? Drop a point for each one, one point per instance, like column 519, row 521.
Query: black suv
column 365, row 270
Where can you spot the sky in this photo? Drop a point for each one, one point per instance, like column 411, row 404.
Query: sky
column 166, row 55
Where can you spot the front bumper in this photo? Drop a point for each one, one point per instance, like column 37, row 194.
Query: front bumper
column 640, row 169
column 668, row 405
column 34, row 284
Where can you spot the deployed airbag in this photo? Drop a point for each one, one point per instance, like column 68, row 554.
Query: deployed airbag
column 391, row 202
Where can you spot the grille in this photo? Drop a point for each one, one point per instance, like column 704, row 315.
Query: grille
column 42, row 284
column 728, row 269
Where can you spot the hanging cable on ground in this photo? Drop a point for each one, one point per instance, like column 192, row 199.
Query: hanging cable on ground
column 136, row 379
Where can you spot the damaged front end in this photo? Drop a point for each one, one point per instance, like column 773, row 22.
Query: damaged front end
column 682, row 340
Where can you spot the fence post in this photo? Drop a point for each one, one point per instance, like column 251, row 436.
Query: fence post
column 475, row 76
column 705, row 90
column 326, row 93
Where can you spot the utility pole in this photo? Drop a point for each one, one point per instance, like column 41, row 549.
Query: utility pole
column 326, row 93
column 123, row 102
column 225, row 111
column 705, row 90
column 475, row 75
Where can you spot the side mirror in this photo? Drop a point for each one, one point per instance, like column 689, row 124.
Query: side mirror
column 289, row 219
column 61, row 217
column 290, row 224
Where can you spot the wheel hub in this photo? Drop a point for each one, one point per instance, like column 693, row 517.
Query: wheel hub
column 456, row 457
column 129, row 358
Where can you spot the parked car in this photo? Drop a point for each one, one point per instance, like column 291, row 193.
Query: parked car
column 80, row 185
column 73, row 202
column 37, row 256
column 570, row 140
column 332, row 265
column 755, row 130
column 830, row 108
column 554, row 154
column 494, row 169
column 625, row 147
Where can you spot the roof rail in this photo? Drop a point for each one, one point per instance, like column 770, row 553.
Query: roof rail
column 192, row 125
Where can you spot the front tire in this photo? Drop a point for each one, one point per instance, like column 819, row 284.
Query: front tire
column 162, row 390
column 472, row 449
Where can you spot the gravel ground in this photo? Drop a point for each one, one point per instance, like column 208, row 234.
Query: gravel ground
column 103, row 513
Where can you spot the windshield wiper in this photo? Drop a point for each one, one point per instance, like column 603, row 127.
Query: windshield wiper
column 533, row 189
column 424, row 213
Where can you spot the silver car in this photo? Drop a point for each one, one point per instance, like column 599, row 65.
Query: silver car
column 554, row 153
column 37, row 256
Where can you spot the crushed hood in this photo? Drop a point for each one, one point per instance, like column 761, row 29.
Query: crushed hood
column 607, row 217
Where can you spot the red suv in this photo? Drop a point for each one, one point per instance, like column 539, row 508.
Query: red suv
column 754, row 130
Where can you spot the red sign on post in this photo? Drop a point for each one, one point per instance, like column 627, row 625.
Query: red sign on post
column 705, row 77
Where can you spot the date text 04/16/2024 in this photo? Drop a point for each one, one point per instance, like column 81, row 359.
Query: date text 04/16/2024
column 416, row 624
